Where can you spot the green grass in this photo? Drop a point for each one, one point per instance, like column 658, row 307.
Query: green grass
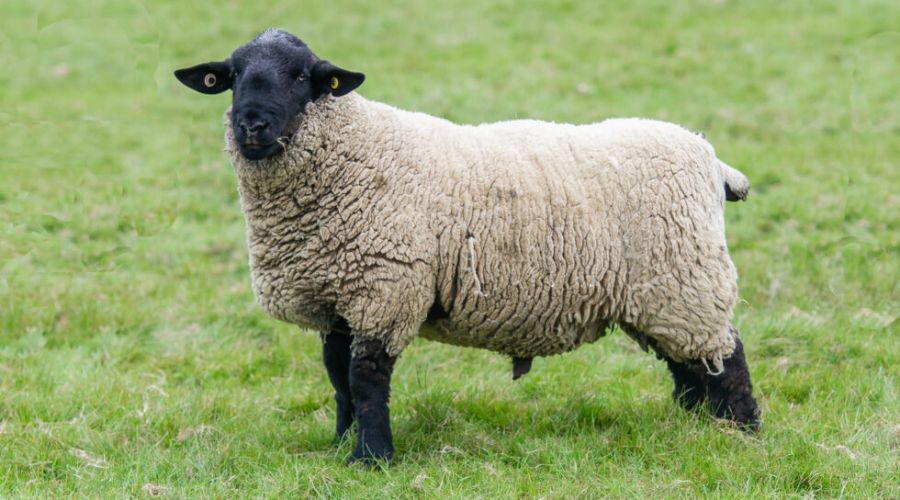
column 133, row 360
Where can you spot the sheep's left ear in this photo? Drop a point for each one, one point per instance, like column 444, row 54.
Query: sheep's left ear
column 208, row 78
column 328, row 78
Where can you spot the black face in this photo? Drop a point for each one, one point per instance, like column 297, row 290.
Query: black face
column 273, row 78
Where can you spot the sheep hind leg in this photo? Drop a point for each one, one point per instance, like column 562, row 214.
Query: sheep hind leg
column 370, row 384
column 731, row 392
column 336, row 355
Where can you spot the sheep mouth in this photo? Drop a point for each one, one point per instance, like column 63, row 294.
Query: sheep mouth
column 258, row 151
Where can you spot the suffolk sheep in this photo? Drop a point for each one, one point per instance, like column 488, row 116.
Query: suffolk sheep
column 374, row 225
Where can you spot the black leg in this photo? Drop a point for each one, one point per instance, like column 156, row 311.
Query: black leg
column 690, row 390
column 336, row 354
column 370, row 385
column 731, row 393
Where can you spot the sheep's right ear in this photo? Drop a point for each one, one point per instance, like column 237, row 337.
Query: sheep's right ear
column 208, row 78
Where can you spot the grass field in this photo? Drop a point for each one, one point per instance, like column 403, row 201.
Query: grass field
column 134, row 361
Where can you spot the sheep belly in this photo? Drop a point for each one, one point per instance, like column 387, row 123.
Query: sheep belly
column 524, row 342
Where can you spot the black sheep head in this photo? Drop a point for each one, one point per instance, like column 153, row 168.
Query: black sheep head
column 272, row 78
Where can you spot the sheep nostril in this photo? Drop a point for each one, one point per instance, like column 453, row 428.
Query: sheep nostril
column 257, row 126
column 254, row 127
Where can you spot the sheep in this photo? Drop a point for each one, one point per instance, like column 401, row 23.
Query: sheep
column 374, row 225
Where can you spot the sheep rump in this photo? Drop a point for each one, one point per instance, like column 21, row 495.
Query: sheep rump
column 522, row 237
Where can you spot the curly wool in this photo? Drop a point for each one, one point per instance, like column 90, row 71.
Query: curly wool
column 532, row 237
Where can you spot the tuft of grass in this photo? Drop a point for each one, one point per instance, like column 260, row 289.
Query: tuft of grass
column 133, row 361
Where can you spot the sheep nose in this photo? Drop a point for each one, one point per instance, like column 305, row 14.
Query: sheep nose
column 254, row 127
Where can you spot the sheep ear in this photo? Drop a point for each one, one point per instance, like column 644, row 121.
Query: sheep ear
column 328, row 78
column 208, row 78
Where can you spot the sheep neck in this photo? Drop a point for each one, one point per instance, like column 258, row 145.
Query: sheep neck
column 315, row 162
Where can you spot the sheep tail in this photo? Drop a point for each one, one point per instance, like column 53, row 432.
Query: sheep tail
column 736, row 184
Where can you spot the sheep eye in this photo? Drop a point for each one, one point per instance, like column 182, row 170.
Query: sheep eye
column 335, row 83
column 301, row 77
column 209, row 80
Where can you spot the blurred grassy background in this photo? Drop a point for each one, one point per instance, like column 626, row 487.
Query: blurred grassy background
column 133, row 360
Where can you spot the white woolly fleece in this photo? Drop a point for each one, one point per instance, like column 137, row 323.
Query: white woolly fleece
column 534, row 237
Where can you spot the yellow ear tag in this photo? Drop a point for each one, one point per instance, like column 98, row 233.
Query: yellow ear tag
column 335, row 83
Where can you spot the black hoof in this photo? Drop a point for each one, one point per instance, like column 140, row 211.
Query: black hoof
column 370, row 458
column 744, row 413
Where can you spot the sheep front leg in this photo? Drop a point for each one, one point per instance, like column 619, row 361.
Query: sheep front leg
column 690, row 391
column 731, row 393
column 370, row 385
column 336, row 354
